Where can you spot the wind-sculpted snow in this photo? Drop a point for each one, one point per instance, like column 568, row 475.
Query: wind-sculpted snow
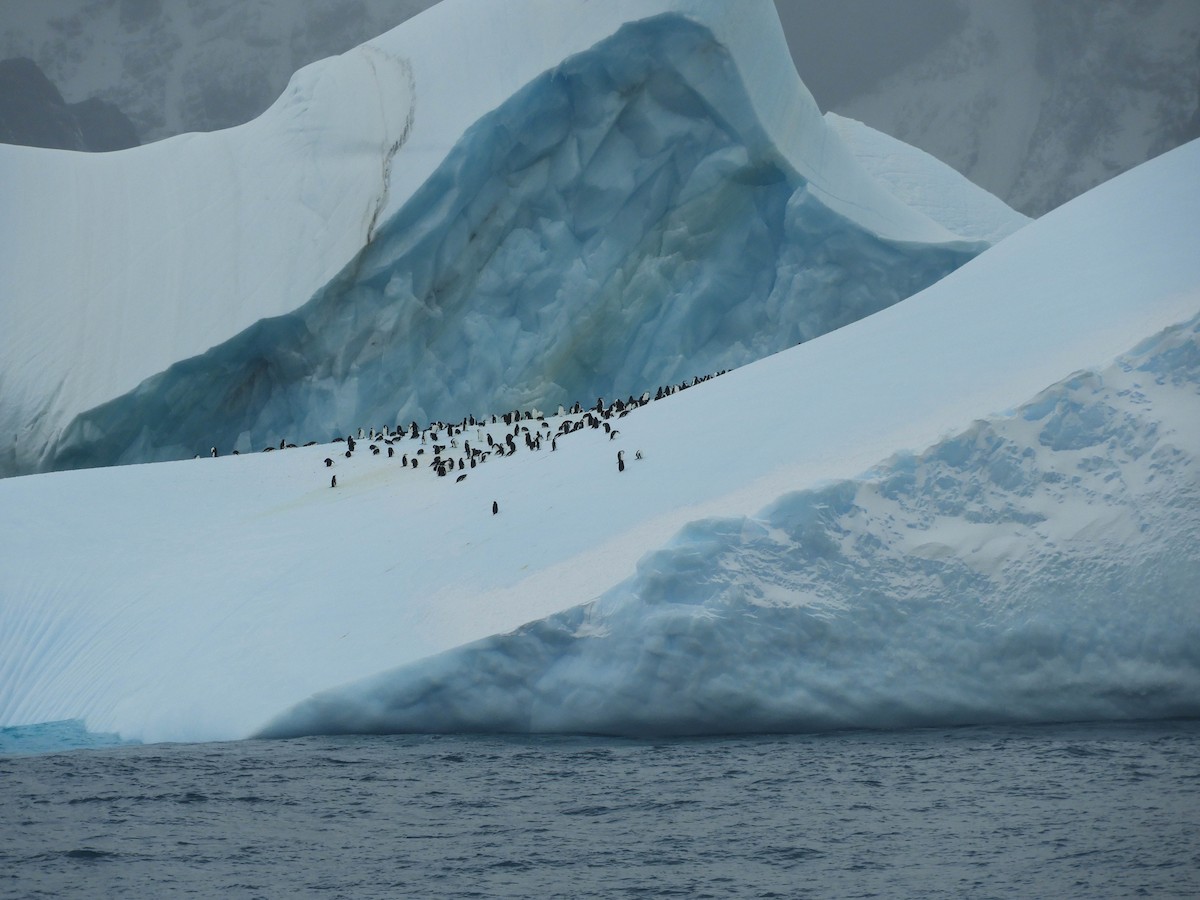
column 620, row 223
column 1037, row 567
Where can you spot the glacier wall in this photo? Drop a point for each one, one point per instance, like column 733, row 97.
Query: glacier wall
column 622, row 222
column 1038, row 567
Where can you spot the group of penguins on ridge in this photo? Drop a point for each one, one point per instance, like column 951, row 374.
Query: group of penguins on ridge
column 443, row 437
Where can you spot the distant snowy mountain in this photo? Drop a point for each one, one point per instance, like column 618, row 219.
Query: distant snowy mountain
column 1037, row 102
column 188, row 65
column 594, row 200
column 978, row 504
column 33, row 113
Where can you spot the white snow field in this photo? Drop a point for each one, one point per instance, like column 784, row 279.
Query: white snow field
column 825, row 537
column 492, row 205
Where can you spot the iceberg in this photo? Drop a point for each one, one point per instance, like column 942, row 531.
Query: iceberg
column 975, row 504
column 647, row 194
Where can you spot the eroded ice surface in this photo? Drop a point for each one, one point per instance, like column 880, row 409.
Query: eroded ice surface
column 620, row 223
column 115, row 267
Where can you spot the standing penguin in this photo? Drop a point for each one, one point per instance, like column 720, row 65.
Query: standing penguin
column 620, row 460
column 333, row 481
column 495, row 507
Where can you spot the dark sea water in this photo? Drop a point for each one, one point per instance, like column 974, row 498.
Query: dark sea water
column 1102, row 810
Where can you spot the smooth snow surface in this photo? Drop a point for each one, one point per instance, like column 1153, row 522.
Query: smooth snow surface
column 643, row 171
column 202, row 600
column 922, row 182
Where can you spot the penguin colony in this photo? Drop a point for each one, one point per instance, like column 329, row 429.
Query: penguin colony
column 528, row 428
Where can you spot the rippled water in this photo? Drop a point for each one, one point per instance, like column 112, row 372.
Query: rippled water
column 1064, row 811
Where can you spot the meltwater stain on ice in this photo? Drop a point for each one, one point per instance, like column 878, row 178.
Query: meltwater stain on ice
column 620, row 223
column 1040, row 567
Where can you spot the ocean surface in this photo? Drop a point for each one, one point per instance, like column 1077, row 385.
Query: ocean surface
column 1089, row 810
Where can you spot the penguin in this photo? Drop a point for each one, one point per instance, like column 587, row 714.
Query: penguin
column 460, row 478
column 391, row 452
column 213, row 451
column 282, row 443
column 495, row 507
column 620, row 460
column 637, row 454
column 328, row 462
column 333, row 481
column 350, row 443
column 348, row 454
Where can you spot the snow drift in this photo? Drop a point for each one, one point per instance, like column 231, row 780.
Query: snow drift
column 644, row 192
column 204, row 599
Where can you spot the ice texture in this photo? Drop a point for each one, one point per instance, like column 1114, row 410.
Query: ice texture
column 1037, row 567
column 620, row 223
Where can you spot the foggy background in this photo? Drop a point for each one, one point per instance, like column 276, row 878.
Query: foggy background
column 1035, row 100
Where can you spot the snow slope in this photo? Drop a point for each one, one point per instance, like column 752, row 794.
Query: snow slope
column 203, row 599
column 1015, row 572
column 565, row 172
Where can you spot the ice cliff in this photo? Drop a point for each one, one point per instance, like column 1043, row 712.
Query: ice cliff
column 647, row 194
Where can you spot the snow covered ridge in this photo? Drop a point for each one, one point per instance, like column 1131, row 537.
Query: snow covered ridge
column 220, row 253
column 1039, row 567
